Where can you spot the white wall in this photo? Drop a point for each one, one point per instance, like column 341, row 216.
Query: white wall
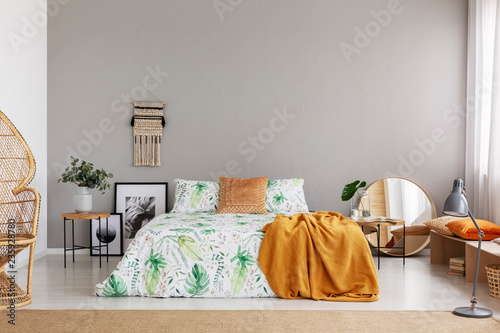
column 23, row 90
column 390, row 108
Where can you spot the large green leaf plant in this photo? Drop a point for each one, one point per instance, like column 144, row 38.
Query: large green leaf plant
column 351, row 189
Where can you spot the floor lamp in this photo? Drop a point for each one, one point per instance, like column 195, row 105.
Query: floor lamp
column 456, row 205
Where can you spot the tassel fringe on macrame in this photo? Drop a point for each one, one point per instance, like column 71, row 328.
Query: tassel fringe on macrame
column 148, row 123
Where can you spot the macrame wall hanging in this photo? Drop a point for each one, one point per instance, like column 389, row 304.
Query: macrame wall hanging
column 148, row 123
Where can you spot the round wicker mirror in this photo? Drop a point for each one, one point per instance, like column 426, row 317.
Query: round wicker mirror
column 400, row 198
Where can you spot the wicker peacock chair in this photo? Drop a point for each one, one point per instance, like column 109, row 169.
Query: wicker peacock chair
column 19, row 210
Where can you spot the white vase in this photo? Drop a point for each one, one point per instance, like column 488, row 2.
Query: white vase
column 83, row 200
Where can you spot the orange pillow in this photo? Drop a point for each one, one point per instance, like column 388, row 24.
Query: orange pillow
column 391, row 243
column 465, row 229
column 242, row 195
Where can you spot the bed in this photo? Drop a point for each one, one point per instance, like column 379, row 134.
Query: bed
column 193, row 255
column 188, row 253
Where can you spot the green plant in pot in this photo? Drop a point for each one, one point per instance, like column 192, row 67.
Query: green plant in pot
column 360, row 200
column 86, row 177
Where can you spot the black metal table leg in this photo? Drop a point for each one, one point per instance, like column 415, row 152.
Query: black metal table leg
column 90, row 237
column 378, row 245
column 100, row 234
column 73, row 237
column 64, row 242
column 107, row 244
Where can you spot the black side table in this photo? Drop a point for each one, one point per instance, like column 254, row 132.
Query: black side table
column 90, row 216
column 377, row 223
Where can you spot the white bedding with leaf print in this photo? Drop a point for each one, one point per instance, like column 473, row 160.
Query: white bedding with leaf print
column 193, row 255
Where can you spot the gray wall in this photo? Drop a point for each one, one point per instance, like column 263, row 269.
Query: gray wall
column 364, row 105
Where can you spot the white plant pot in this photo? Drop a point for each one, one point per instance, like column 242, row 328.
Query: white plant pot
column 83, row 200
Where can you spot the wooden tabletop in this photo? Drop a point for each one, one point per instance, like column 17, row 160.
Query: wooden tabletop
column 361, row 222
column 87, row 216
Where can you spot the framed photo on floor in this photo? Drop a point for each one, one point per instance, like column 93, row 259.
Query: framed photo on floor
column 111, row 235
column 139, row 203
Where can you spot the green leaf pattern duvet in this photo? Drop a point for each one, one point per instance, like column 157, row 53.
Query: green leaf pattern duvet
column 193, row 255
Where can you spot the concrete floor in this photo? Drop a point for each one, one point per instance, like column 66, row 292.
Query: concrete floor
column 415, row 286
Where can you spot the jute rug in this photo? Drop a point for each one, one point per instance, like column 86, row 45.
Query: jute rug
column 141, row 321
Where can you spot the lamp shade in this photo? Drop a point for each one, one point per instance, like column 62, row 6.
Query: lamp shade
column 456, row 203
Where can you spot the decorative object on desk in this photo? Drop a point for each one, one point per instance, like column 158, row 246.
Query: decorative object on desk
column 400, row 198
column 456, row 205
column 148, row 123
column 112, row 235
column 360, row 200
column 139, row 203
column 19, row 212
column 86, row 178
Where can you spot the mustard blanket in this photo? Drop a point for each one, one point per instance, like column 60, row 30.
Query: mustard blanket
column 323, row 256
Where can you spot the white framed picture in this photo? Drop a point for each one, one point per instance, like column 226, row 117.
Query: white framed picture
column 110, row 235
column 139, row 203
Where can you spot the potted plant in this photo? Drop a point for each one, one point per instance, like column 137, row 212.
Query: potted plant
column 360, row 203
column 86, row 177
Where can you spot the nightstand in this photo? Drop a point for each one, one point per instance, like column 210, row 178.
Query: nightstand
column 88, row 216
column 380, row 222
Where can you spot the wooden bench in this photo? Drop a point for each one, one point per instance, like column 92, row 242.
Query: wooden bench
column 445, row 247
column 490, row 254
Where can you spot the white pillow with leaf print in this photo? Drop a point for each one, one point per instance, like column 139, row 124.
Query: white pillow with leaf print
column 193, row 196
column 286, row 196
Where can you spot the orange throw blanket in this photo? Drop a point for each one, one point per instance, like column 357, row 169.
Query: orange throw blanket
column 323, row 256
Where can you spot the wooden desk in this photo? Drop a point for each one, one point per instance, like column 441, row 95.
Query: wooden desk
column 88, row 216
column 377, row 224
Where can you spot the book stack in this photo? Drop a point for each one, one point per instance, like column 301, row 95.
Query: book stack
column 457, row 266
